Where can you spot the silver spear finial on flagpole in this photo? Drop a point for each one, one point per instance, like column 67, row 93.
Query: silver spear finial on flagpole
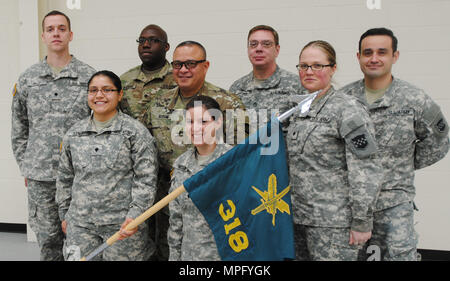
column 302, row 106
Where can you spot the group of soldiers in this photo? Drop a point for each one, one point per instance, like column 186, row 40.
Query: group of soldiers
column 51, row 96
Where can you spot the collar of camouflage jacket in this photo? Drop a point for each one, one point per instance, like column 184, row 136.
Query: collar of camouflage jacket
column 385, row 101
column 141, row 76
column 89, row 126
column 176, row 94
column 317, row 107
column 268, row 83
column 190, row 156
column 69, row 71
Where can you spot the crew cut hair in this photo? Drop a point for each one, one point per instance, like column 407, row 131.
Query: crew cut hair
column 192, row 43
column 380, row 31
column 56, row 13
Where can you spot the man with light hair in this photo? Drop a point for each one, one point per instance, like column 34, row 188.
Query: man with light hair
column 48, row 99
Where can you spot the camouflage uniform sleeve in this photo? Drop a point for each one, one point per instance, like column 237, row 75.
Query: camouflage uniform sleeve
column 145, row 167
column 240, row 123
column 125, row 106
column 64, row 179
column 431, row 130
column 364, row 169
column 175, row 231
column 234, row 87
column 19, row 126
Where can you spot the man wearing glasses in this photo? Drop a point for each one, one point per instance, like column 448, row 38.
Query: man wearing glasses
column 48, row 99
column 164, row 116
column 411, row 132
column 267, row 86
column 141, row 84
column 153, row 76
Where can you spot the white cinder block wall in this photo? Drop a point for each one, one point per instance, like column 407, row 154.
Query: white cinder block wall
column 105, row 33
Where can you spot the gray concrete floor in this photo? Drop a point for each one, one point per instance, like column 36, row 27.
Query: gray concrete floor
column 14, row 247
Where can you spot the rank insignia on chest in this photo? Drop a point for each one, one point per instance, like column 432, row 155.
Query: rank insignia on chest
column 360, row 141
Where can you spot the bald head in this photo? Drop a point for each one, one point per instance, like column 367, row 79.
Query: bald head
column 158, row 29
column 153, row 47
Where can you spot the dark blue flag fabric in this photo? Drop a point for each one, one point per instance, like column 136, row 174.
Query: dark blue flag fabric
column 246, row 199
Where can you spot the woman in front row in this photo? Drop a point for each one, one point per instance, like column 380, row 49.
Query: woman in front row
column 106, row 178
column 333, row 171
column 189, row 236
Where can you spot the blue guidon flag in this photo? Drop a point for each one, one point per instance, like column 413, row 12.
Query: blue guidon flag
column 245, row 197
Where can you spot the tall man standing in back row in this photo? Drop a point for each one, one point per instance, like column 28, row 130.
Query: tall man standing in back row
column 268, row 86
column 48, row 99
column 411, row 132
column 141, row 85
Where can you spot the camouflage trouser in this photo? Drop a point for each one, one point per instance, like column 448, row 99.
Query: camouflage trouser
column 324, row 244
column 44, row 220
column 82, row 240
column 393, row 234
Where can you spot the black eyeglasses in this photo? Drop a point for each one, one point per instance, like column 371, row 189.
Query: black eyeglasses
column 151, row 40
column 105, row 91
column 315, row 67
column 189, row 64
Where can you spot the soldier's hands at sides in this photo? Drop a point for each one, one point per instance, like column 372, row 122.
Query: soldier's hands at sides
column 359, row 238
column 126, row 233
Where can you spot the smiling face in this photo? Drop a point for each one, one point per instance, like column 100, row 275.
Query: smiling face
column 56, row 34
column 103, row 97
column 315, row 80
column 202, row 126
column 377, row 57
column 190, row 80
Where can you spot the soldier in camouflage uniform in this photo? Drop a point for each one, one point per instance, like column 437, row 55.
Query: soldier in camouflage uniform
column 164, row 116
column 190, row 237
column 49, row 98
column 333, row 174
column 267, row 87
column 143, row 82
column 106, row 177
column 141, row 85
column 411, row 132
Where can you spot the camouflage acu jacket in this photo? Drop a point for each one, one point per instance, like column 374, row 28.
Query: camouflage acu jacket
column 273, row 93
column 189, row 235
column 106, row 176
column 411, row 132
column 334, row 174
column 139, row 90
column 165, row 116
column 44, row 107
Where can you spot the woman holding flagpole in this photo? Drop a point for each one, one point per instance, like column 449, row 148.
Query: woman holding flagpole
column 334, row 173
column 106, row 177
column 189, row 236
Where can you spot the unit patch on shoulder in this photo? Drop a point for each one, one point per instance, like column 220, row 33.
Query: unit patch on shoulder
column 360, row 141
